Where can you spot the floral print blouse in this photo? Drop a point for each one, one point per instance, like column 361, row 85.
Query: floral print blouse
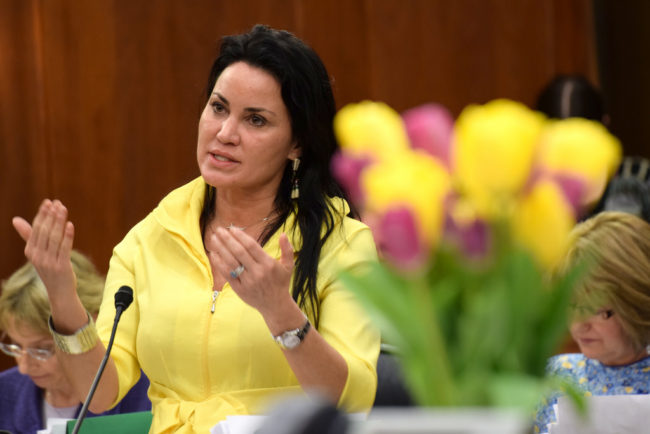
column 595, row 379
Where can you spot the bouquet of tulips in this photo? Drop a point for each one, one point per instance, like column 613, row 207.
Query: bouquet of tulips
column 470, row 216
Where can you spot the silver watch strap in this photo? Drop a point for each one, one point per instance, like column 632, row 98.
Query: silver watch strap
column 292, row 338
column 82, row 341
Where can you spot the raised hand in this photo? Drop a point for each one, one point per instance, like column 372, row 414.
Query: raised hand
column 48, row 243
column 264, row 281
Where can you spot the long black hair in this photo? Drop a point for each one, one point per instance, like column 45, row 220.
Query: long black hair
column 307, row 94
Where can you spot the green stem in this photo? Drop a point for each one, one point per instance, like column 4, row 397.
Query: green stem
column 432, row 380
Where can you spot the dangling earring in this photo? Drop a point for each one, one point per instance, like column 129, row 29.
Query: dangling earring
column 647, row 349
column 295, row 191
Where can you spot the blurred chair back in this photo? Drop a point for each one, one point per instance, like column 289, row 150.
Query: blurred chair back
column 391, row 387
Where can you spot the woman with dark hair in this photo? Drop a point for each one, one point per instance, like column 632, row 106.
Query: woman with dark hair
column 236, row 295
column 567, row 96
column 570, row 96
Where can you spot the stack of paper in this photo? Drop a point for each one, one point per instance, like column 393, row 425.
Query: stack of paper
column 238, row 425
column 620, row 414
column 54, row 426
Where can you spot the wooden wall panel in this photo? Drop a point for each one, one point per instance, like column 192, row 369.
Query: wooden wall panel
column 470, row 51
column 338, row 31
column 99, row 100
column 574, row 39
column 624, row 37
column 79, row 64
column 25, row 166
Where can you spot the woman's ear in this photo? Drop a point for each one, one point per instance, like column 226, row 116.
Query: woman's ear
column 295, row 151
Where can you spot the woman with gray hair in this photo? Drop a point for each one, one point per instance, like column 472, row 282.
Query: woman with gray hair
column 37, row 388
column 611, row 319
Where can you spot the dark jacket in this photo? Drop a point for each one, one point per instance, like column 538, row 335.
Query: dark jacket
column 21, row 402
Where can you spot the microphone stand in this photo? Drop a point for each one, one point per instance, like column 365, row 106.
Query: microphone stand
column 123, row 298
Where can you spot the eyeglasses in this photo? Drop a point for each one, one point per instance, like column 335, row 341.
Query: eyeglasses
column 605, row 314
column 586, row 312
column 13, row 350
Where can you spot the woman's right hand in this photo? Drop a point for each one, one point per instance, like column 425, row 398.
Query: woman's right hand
column 48, row 243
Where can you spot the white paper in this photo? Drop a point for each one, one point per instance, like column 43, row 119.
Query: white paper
column 238, row 425
column 620, row 414
column 54, row 426
column 249, row 424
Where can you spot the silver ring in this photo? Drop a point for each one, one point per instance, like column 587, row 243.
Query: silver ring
column 237, row 272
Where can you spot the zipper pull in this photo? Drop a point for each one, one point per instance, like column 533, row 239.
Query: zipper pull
column 215, row 294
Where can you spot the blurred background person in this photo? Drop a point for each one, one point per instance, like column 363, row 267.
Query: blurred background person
column 568, row 96
column 37, row 388
column 573, row 96
column 611, row 320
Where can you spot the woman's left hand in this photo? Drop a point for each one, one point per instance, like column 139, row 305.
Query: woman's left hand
column 264, row 281
column 264, row 285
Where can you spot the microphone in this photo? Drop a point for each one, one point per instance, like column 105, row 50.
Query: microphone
column 123, row 299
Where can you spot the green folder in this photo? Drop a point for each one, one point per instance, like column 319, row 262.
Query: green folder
column 125, row 423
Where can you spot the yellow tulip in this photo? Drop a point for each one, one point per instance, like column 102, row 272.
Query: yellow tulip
column 493, row 153
column 582, row 148
column 543, row 221
column 370, row 128
column 413, row 180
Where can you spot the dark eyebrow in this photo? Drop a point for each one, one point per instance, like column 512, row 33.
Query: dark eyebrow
column 258, row 110
column 221, row 97
column 248, row 109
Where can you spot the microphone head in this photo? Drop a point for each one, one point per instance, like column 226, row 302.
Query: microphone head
column 123, row 298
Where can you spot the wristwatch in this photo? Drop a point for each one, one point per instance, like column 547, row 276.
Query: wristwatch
column 83, row 340
column 292, row 338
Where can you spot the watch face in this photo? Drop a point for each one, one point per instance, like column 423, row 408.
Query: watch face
column 291, row 341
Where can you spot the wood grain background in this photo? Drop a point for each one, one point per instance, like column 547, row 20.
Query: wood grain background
column 99, row 100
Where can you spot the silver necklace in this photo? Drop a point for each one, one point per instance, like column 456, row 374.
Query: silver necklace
column 213, row 226
column 242, row 228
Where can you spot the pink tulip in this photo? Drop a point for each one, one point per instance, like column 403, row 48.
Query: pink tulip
column 472, row 239
column 573, row 187
column 397, row 237
column 430, row 128
column 347, row 171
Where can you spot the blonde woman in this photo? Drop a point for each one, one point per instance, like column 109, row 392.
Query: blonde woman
column 611, row 322
column 37, row 388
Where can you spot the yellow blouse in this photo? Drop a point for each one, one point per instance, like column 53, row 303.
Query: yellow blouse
column 204, row 366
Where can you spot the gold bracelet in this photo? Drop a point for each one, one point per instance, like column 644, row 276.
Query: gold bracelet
column 82, row 341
